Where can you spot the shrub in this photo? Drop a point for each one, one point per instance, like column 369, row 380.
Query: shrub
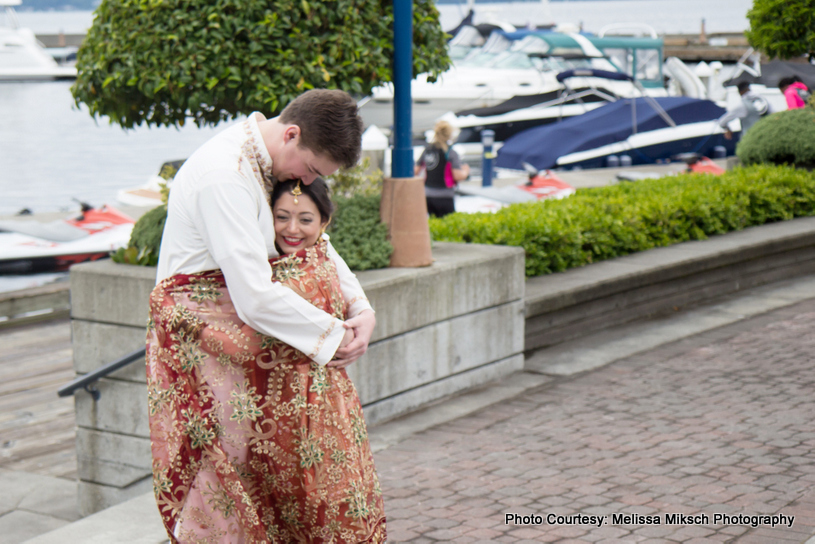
column 786, row 137
column 358, row 234
column 145, row 239
column 356, row 181
column 605, row 222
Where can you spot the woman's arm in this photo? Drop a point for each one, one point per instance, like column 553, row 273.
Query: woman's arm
column 461, row 171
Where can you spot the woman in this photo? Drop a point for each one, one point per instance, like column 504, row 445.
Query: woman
column 434, row 160
column 795, row 92
column 253, row 441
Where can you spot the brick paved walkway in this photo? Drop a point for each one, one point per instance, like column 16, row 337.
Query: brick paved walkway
column 718, row 423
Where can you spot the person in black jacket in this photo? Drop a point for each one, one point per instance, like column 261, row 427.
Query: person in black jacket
column 434, row 159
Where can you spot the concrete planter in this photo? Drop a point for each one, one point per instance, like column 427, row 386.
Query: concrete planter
column 440, row 329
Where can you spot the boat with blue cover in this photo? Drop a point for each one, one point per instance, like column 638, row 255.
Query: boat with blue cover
column 646, row 129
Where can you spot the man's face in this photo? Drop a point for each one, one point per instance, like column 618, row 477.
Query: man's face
column 294, row 161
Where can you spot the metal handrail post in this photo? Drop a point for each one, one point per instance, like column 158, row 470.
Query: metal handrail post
column 86, row 382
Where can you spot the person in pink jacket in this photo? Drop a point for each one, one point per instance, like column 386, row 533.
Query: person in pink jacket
column 795, row 91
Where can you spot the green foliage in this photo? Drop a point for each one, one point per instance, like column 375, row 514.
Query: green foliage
column 358, row 235
column 145, row 240
column 358, row 180
column 786, row 137
column 605, row 222
column 159, row 62
column 782, row 28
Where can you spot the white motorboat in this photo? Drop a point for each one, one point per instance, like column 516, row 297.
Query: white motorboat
column 22, row 57
column 521, row 63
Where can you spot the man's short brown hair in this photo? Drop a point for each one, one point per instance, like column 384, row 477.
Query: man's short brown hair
column 329, row 124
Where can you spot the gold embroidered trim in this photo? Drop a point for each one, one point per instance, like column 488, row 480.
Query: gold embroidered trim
column 357, row 299
column 261, row 167
column 321, row 341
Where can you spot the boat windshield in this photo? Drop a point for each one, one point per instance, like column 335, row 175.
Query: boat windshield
column 648, row 62
column 487, row 53
column 532, row 52
column 10, row 19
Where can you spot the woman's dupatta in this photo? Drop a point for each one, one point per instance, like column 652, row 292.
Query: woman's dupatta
column 252, row 441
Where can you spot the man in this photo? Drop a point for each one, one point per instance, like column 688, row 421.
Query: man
column 751, row 109
column 219, row 217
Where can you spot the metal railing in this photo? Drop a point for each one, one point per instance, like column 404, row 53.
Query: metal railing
column 87, row 381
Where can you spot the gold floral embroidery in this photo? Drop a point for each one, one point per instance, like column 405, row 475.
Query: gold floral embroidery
column 248, row 434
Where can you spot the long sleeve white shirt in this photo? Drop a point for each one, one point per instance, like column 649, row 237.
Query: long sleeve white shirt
column 219, row 217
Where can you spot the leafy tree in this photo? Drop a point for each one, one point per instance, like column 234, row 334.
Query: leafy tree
column 159, row 62
column 783, row 28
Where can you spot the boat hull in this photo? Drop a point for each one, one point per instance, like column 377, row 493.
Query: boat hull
column 655, row 146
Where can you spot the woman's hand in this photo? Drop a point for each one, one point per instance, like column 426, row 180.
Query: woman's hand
column 360, row 328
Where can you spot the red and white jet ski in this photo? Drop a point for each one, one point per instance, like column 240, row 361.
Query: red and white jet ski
column 539, row 186
column 29, row 246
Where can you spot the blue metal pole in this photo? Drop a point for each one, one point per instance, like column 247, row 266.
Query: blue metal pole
column 402, row 75
column 487, row 140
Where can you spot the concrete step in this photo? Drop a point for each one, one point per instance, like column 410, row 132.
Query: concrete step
column 31, row 504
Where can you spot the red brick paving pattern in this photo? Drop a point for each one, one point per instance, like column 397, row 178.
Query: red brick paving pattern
column 720, row 423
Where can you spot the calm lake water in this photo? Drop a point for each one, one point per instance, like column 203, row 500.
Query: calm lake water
column 51, row 152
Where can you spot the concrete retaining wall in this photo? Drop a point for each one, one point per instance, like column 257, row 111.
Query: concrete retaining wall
column 578, row 302
column 442, row 329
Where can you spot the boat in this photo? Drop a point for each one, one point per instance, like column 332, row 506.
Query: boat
column 28, row 246
column 151, row 193
column 22, row 56
column 512, row 64
column 538, row 186
column 643, row 130
column 522, row 113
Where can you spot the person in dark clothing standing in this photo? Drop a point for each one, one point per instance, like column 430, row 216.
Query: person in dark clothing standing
column 434, row 159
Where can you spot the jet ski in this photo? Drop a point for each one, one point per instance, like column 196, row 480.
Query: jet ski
column 538, row 186
column 28, row 246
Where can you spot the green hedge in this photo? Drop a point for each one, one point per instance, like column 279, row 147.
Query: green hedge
column 357, row 233
column 355, row 230
column 786, row 137
column 606, row 222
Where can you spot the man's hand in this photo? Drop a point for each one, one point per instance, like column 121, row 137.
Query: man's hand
column 728, row 134
column 361, row 328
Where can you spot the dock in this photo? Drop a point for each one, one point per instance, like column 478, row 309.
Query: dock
column 37, row 427
column 702, row 47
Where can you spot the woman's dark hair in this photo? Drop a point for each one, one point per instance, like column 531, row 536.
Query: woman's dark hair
column 317, row 192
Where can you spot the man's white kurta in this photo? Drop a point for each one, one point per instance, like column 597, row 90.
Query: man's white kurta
column 219, row 217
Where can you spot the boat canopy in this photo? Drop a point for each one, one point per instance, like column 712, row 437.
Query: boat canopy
column 542, row 146
column 640, row 57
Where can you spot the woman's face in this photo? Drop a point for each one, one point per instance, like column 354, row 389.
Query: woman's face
column 296, row 225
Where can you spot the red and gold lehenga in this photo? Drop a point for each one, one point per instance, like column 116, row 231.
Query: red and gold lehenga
column 252, row 441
